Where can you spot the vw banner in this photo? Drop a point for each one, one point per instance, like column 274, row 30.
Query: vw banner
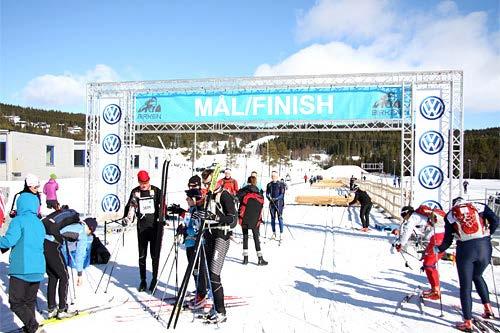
column 110, row 172
column 431, row 148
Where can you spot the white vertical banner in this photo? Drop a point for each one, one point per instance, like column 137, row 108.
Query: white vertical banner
column 109, row 169
column 431, row 148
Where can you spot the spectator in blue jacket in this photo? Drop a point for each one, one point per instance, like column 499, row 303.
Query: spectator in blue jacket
column 25, row 236
column 275, row 193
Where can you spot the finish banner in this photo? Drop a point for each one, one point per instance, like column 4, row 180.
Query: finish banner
column 315, row 104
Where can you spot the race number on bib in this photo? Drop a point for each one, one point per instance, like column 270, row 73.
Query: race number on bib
column 147, row 206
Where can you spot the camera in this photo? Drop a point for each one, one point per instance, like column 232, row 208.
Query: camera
column 175, row 209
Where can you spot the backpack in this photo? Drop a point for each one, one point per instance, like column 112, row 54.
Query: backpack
column 99, row 254
column 59, row 219
column 250, row 210
column 468, row 222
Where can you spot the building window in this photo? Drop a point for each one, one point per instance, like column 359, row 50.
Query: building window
column 156, row 162
column 49, row 155
column 3, row 152
column 79, row 157
column 136, row 161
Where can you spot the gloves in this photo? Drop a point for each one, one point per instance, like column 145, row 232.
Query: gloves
column 181, row 230
column 12, row 213
column 203, row 215
column 125, row 222
column 398, row 247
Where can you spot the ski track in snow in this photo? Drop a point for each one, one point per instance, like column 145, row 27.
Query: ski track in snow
column 326, row 278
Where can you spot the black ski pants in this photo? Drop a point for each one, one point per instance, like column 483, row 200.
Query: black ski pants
column 153, row 237
column 58, row 274
column 473, row 256
column 22, row 299
column 255, row 233
column 216, row 248
column 200, row 269
column 364, row 214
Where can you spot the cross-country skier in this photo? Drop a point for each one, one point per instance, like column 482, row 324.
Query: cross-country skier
column 219, row 216
column 250, row 213
column 275, row 193
column 146, row 200
column 25, row 236
column 228, row 183
column 429, row 224
column 366, row 205
column 472, row 224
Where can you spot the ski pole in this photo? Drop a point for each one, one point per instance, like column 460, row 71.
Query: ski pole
column 157, row 315
column 494, row 285
column 437, row 268
column 406, row 261
column 71, row 269
column 115, row 248
column 162, row 268
column 113, row 267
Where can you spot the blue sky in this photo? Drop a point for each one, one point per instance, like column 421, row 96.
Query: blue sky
column 49, row 49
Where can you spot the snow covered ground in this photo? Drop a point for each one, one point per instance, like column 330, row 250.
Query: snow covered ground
column 325, row 276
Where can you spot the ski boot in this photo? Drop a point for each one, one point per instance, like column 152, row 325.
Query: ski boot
column 152, row 285
column 142, row 286
column 465, row 326
column 64, row 313
column 52, row 313
column 216, row 318
column 432, row 294
column 261, row 261
column 245, row 260
column 198, row 302
column 488, row 311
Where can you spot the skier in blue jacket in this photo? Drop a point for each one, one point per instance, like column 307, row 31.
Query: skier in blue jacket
column 25, row 236
column 275, row 193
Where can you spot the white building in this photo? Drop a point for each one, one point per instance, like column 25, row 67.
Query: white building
column 22, row 153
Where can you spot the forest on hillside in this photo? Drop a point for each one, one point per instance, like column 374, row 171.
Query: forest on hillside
column 481, row 147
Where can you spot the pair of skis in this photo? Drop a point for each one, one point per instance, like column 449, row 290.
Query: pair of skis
column 415, row 294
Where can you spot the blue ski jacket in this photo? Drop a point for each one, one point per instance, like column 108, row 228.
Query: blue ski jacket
column 25, row 236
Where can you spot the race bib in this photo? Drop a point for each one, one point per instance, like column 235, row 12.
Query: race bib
column 147, row 206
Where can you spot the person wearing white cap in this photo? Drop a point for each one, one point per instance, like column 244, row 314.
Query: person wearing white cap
column 31, row 185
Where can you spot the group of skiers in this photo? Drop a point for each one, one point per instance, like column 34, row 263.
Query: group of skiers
column 44, row 246
column 471, row 224
column 229, row 206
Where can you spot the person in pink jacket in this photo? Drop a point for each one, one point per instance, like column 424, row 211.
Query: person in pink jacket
column 49, row 189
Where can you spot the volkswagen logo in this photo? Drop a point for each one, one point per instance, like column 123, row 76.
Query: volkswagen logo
column 110, row 203
column 111, row 144
column 432, row 108
column 431, row 177
column 112, row 114
column 433, row 204
column 431, row 142
column 111, row 174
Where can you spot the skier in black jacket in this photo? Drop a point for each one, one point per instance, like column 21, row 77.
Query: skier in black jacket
column 220, row 215
column 251, row 217
column 366, row 205
column 145, row 199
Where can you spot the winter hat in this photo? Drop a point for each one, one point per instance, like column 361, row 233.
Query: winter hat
column 406, row 210
column 91, row 223
column 194, row 181
column 32, row 180
column 53, row 176
column 457, row 200
column 143, row 176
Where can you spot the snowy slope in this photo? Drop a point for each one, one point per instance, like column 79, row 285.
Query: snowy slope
column 325, row 278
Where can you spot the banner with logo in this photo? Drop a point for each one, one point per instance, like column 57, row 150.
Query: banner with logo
column 110, row 171
column 314, row 104
column 431, row 148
